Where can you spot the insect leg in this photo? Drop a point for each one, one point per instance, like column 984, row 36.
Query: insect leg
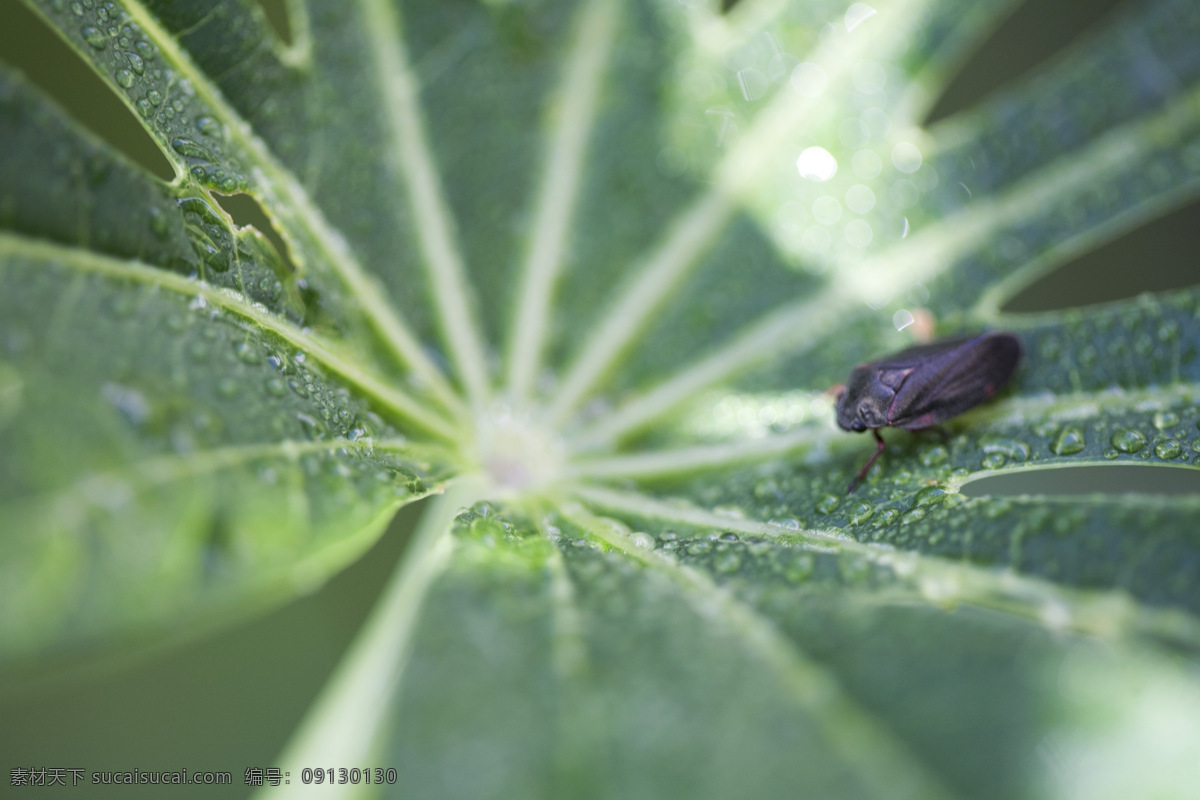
column 862, row 473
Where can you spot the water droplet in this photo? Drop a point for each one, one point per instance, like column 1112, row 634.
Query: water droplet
column 124, row 78
column 861, row 513
column 77, row 8
column 144, row 108
column 888, row 515
column 145, row 49
column 158, row 222
column 191, row 149
column 729, row 561
column 937, row 454
column 1069, row 442
column 1168, row 449
column 313, row 429
column 642, row 539
column 94, row 36
column 155, row 97
column 1045, row 428
column 246, row 352
column 208, row 126
column 1110, row 453
column 1002, row 445
column 801, row 568
column 930, row 496
column 198, row 351
column 227, row 387
column 994, row 460
column 128, row 401
column 1128, row 441
column 1165, row 419
column 828, row 503
column 136, row 63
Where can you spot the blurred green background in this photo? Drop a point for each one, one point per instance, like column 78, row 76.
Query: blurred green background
column 229, row 701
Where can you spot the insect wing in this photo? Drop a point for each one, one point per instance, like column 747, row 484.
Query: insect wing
column 951, row 377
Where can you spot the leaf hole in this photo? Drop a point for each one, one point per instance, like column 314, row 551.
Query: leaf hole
column 1115, row 479
column 245, row 211
column 279, row 18
column 32, row 46
column 1155, row 257
column 1031, row 35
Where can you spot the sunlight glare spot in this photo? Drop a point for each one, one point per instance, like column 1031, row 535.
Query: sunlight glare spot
column 816, row 164
column 867, row 164
column 852, row 132
column 857, row 14
column 877, row 121
column 671, row 162
column 906, row 157
column 723, row 120
column 1055, row 615
column 860, row 199
column 808, row 80
column 826, row 210
column 868, row 77
column 858, row 233
column 753, row 83
column 817, row 239
column 905, row 193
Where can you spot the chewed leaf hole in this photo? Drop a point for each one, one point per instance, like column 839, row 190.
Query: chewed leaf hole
column 1155, row 257
column 1033, row 34
column 276, row 12
column 1117, row 479
column 246, row 211
column 48, row 63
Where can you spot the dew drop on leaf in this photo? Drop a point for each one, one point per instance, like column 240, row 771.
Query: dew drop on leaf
column 94, row 36
column 1165, row 419
column 208, row 126
column 246, row 352
column 1128, row 441
column 1069, row 442
column 828, row 503
column 861, row 513
column 1002, row 445
column 1168, row 449
column 642, row 539
column 191, row 149
column 934, row 455
column 888, row 515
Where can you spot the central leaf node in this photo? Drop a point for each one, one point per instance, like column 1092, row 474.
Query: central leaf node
column 516, row 452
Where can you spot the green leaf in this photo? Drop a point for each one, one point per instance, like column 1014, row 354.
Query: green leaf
column 586, row 270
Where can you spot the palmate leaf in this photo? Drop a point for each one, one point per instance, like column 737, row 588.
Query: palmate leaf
column 579, row 268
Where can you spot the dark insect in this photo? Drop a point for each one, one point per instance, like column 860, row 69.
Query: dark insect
column 925, row 385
